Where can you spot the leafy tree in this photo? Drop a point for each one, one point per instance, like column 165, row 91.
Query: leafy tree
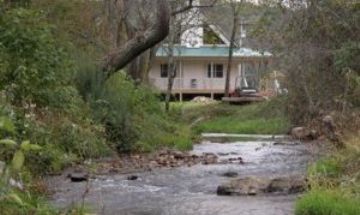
column 32, row 63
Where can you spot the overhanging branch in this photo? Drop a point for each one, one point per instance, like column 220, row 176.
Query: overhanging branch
column 120, row 57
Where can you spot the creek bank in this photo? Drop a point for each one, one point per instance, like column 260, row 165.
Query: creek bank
column 148, row 162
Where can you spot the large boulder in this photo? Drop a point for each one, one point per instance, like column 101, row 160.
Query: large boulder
column 287, row 185
column 255, row 185
column 203, row 100
column 303, row 133
column 331, row 132
column 242, row 186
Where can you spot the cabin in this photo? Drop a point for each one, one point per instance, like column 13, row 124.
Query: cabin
column 202, row 58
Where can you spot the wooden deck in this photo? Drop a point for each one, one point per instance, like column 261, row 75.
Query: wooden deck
column 243, row 99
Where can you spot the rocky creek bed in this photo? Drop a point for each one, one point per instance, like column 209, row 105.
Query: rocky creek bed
column 239, row 178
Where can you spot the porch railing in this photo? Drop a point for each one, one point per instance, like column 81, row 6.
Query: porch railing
column 196, row 84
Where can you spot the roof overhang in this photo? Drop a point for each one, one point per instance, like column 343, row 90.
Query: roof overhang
column 211, row 52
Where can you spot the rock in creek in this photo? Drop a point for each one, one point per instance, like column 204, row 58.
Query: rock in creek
column 230, row 174
column 303, row 133
column 78, row 177
column 286, row 185
column 242, row 186
column 223, row 154
column 254, row 186
column 209, row 158
column 132, row 177
column 236, row 160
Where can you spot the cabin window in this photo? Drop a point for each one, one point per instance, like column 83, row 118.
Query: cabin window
column 216, row 69
column 164, row 70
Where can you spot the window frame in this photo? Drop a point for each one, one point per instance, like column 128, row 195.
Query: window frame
column 213, row 72
column 164, row 73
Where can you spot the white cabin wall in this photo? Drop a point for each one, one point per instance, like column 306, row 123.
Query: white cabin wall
column 194, row 69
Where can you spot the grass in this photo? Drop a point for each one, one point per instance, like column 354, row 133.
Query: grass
column 335, row 183
column 250, row 126
column 327, row 202
column 260, row 118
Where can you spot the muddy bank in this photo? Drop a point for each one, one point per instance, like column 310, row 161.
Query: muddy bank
column 191, row 189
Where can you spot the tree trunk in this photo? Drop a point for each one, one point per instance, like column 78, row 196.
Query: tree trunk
column 171, row 67
column 120, row 57
column 231, row 48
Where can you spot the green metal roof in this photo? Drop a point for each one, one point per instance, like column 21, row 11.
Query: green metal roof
column 210, row 51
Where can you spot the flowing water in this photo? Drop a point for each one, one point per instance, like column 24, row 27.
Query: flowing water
column 192, row 190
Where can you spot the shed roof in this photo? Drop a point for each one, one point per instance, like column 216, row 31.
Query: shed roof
column 211, row 51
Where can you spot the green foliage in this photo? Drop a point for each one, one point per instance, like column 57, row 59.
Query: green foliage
column 325, row 202
column 134, row 119
column 23, row 203
column 347, row 57
column 33, row 66
column 64, row 139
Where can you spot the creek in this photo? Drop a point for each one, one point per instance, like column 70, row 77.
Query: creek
column 192, row 190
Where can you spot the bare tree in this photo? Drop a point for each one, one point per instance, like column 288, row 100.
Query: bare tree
column 171, row 66
column 180, row 23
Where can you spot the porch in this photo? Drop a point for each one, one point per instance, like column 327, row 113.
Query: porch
column 191, row 85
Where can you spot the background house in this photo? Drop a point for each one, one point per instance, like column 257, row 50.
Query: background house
column 202, row 54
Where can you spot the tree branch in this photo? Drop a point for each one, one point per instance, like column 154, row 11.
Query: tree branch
column 191, row 5
column 120, row 57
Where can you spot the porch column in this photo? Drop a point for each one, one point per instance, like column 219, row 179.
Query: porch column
column 211, row 80
column 181, row 81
